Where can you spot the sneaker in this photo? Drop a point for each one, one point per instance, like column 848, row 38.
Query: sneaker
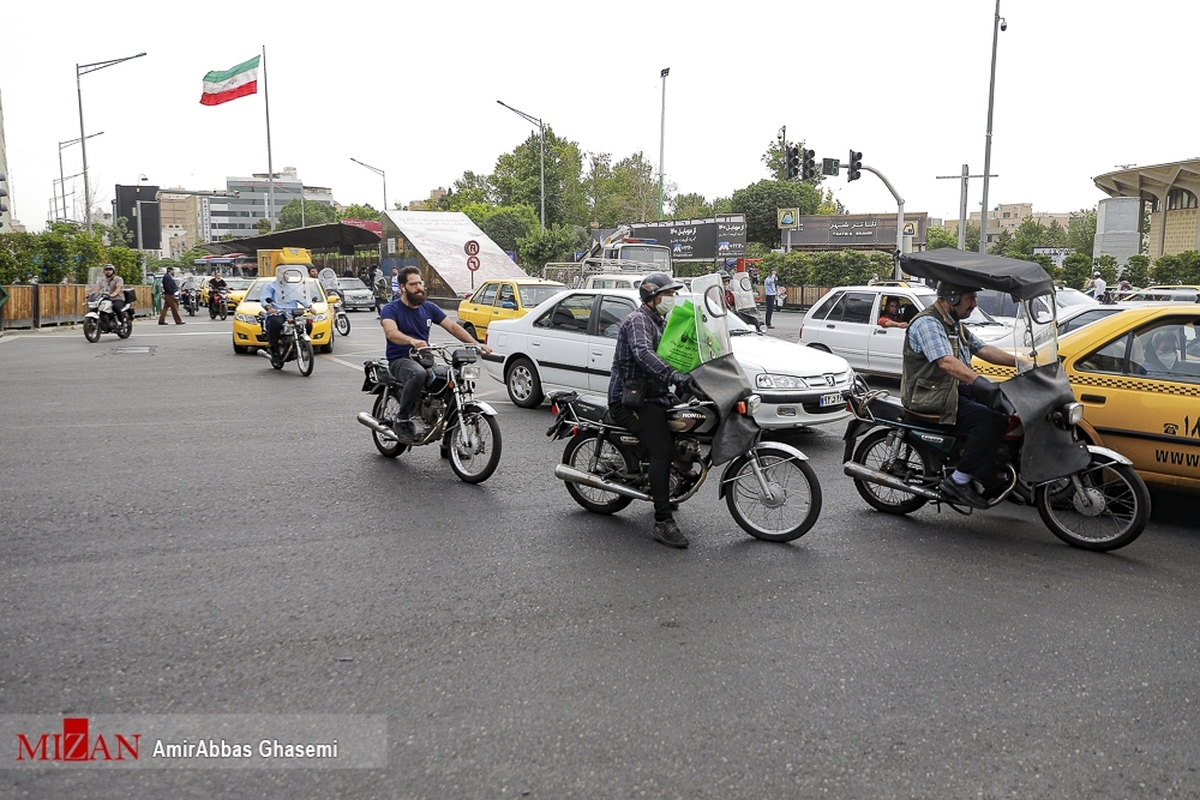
column 669, row 534
column 962, row 493
column 404, row 432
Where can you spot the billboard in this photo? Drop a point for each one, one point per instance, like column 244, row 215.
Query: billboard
column 141, row 199
column 719, row 236
column 855, row 230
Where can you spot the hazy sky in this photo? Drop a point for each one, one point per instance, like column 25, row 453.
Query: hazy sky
column 411, row 88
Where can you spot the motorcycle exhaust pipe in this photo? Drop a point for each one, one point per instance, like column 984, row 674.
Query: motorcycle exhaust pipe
column 856, row 470
column 263, row 352
column 376, row 425
column 572, row 475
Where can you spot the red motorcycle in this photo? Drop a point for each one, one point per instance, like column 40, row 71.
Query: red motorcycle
column 218, row 303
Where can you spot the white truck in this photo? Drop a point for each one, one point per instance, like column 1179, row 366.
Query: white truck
column 616, row 258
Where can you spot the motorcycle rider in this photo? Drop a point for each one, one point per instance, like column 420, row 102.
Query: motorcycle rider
column 937, row 379
column 112, row 286
column 638, row 393
column 215, row 284
column 284, row 293
column 406, row 323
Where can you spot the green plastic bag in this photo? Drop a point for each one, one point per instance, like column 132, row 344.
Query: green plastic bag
column 678, row 345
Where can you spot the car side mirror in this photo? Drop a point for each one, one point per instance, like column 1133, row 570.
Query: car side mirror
column 333, row 298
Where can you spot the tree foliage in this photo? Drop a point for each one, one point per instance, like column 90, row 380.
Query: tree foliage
column 504, row 225
column 1183, row 269
column 63, row 253
column 557, row 243
column 359, row 211
column 1137, row 270
column 1081, row 232
column 759, row 202
column 301, row 214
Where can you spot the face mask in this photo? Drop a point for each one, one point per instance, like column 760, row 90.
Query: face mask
column 1167, row 359
column 665, row 305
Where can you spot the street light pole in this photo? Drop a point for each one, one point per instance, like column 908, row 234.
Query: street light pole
column 662, row 137
column 998, row 25
column 61, row 179
column 542, row 148
column 378, row 172
column 80, row 70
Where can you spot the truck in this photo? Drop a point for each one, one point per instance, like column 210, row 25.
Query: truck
column 617, row 254
column 270, row 260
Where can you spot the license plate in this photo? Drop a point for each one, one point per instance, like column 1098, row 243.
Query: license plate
column 834, row 399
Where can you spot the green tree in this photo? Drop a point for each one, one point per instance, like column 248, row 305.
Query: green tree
column 690, row 206
column 357, row 211
column 504, row 225
column 1000, row 244
column 937, row 238
column 471, row 189
column 1081, row 232
column 301, row 214
column 557, row 243
column 776, row 160
column 1076, row 270
column 264, row 226
column 1137, row 270
column 1028, row 235
column 760, row 202
column 517, row 179
column 624, row 192
column 1183, row 268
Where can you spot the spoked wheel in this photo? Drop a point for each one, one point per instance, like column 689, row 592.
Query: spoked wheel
column 1110, row 512
column 124, row 326
column 91, row 329
column 341, row 323
column 475, row 454
column 304, row 357
column 387, row 411
column 901, row 461
column 789, row 506
column 581, row 451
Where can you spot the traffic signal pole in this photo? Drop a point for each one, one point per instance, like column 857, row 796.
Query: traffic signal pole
column 899, row 218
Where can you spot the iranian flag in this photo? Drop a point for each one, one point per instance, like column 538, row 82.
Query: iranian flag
column 225, row 85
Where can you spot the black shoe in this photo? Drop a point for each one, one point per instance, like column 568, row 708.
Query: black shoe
column 962, row 493
column 669, row 534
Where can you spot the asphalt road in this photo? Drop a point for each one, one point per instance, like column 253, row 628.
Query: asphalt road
column 188, row 532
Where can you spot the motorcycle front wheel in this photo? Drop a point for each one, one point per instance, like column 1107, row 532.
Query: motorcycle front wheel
column 475, row 454
column 124, row 326
column 223, row 311
column 580, row 453
column 91, row 329
column 908, row 464
column 387, row 411
column 787, row 510
column 341, row 323
column 304, row 357
column 212, row 312
column 1111, row 512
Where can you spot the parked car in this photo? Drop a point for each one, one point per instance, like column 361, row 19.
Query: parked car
column 506, row 298
column 355, row 295
column 248, row 332
column 1168, row 294
column 1138, row 403
column 845, row 322
column 568, row 341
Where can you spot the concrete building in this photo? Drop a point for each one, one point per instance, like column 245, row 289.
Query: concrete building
column 1118, row 228
column 239, row 216
column 1008, row 217
column 1170, row 191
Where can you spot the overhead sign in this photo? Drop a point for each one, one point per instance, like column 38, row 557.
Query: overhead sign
column 830, row 166
column 857, row 230
column 787, row 217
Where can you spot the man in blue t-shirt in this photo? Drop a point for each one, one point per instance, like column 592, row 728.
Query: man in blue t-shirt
column 406, row 323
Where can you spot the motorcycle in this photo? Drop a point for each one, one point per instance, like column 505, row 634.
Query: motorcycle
column 295, row 342
column 188, row 300
column 769, row 488
column 1088, row 496
column 341, row 319
column 101, row 318
column 465, row 427
column 218, row 304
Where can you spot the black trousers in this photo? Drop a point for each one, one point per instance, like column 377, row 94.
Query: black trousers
column 983, row 429
column 411, row 376
column 274, row 326
column 649, row 424
column 770, row 308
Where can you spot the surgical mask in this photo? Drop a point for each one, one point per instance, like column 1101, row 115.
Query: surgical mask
column 665, row 305
column 1167, row 359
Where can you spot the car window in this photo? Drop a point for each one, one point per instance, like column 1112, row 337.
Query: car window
column 485, row 295
column 612, row 311
column 535, row 295
column 571, row 315
column 1110, row 357
column 853, row 307
column 1170, row 350
column 824, row 306
column 507, row 297
column 908, row 309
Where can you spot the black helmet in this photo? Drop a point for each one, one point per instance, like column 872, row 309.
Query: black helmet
column 725, row 276
column 655, row 284
column 953, row 292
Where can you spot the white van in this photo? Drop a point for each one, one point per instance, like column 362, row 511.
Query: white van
column 613, row 281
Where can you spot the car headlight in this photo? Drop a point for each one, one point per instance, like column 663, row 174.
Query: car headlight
column 766, row 380
column 247, row 318
column 320, row 317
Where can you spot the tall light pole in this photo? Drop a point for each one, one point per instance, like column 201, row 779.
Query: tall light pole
column 61, row 179
column 662, row 137
column 1000, row 24
column 80, row 70
column 378, row 172
column 542, row 147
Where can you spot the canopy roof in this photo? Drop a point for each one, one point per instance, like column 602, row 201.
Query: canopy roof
column 1022, row 279
column 332, row 236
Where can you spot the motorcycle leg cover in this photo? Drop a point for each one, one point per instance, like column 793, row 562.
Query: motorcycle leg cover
column 1049, row 452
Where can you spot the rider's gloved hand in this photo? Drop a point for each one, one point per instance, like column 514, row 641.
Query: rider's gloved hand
column 987, row 392
column 685, row 384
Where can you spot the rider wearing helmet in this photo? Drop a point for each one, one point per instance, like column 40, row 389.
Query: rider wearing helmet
column 726, row 282
column 112, row 285
column 638, row 393
column 938, row 380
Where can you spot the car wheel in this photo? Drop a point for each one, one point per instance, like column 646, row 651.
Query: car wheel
column 523, row 384
column 469, row 328
column 241, row 350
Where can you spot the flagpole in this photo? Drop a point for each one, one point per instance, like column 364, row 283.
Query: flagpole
column 270, row 166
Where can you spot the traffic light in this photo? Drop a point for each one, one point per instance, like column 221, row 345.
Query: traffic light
column 793, row 161
column 809, row 167
column 855, row 171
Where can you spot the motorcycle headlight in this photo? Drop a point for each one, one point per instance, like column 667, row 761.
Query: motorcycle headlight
column 470, row 372
column 1073, row 413
column 753, row 403
column 767, row 380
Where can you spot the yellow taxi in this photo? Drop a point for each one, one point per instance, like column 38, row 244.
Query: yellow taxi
column 248, row 332
column 504, row 298
column 1137, row 374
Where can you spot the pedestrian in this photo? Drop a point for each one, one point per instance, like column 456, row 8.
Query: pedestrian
column 382, row 293
column 170, row 298
column 769, row 290
column 395, row 283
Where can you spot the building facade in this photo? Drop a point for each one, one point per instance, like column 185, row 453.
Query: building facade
column 238, row 217
column 1169, row 193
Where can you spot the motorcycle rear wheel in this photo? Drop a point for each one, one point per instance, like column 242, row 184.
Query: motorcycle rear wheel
column 475, row 462
column 91, row 329
column 1121, row 514
column 304, row 357
column 909, row 465
column 387, row 410
column 579, row 454
column 794, row 503
column 341, row 323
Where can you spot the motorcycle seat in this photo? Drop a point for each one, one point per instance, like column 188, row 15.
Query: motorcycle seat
column 925, row 420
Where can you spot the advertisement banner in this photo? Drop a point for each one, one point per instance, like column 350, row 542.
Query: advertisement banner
column 856, row 230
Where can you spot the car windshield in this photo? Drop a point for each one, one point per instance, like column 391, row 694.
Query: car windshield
column 351, row 283
column 1072, row 297
column 312, row 290
column 533, row 295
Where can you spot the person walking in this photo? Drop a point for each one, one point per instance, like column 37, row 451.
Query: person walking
column 170, row 298
column 769, row 290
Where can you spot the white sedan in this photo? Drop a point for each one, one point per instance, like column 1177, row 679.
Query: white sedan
column 568, row 341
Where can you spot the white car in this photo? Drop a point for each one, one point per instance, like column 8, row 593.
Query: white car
column 568, row 341
column 845, row 322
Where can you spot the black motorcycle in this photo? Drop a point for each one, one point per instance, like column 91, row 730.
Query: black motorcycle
column 295, row 340
column 1088, row 496
column 447, row 411
column 102, row 318
column 189, row 300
